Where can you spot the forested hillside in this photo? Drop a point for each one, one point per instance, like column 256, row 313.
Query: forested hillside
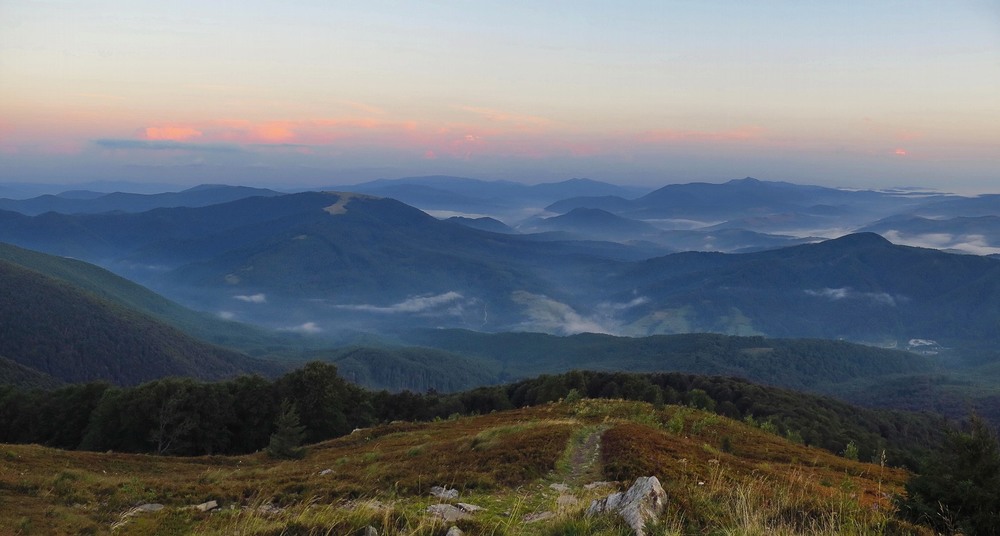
column 802, row 364
column 117, row 289
column 69, row 334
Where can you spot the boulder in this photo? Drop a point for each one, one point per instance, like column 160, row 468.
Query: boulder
column 470, row 508
column 149, row 507
column 640, row 503
column 206, row 506
column 455, row 531
column 447, row 512
column 443, row 493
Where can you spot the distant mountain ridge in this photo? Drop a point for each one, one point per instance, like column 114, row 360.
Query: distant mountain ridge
column 744, row 199
column 467, row 195
column 860, row 287
column 595, row 219
column 81, row 202
column 978, row 235
column 326, row 261
column 500, row 190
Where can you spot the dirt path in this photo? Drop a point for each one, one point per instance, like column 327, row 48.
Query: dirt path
column 585, row 460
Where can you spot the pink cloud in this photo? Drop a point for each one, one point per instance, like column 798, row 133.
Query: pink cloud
column 305, row 131
column 274, row 132
column 501, row 135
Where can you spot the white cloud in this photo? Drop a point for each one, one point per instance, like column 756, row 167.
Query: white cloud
column 252, row 298
column 308, row 327
column 975, row 244
column 553, row 316
column 845, row 293
column 611, row 308
column 417, row 304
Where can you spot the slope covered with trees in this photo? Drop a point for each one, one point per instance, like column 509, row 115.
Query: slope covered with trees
column 800, row 364
column 117, row 289
column 62, row 331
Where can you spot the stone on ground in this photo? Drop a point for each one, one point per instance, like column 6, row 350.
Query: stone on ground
column 642, row 502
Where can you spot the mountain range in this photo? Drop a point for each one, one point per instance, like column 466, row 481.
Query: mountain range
column 747, row 198
column 115, row 330
column 707, row 302
column 696, row 216
column 324, row 262
column 87, row 202
column 464, row 195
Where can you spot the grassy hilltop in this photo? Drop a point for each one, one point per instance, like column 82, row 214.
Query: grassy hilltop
column 721, row 477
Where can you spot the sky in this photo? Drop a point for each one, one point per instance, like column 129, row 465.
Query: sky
column 873, row 93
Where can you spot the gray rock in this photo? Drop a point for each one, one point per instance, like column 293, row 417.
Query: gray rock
column 455, row 531
column 325, row 472
column 642, row 502
column 469, row 508
column 443, row 493
column 149, row 507
column 559, row 487
column 371, row 531
column 593, row 485
column 447, row 512
column 206, row 506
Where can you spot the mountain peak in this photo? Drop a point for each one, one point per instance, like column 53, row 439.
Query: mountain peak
column 861, row 240
column 208, row 186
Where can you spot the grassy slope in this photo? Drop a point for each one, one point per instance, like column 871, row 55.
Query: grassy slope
column 720, row 475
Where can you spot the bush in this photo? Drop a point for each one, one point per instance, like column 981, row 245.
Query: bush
column 959, row 488
column 288, row 435
column 573, row 396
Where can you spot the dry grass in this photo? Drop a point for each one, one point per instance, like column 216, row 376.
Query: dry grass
column 504, row 462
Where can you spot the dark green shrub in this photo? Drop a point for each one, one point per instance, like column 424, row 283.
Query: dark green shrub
column 959, row 488
column 288, row 434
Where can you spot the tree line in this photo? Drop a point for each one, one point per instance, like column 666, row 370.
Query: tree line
column 180, row 416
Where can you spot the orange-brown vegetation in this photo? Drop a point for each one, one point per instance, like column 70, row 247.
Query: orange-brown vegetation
column 503, row 461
